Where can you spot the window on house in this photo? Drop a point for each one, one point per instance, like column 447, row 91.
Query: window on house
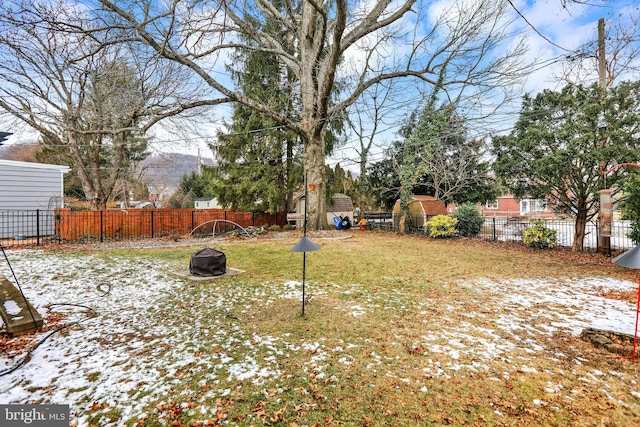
column 525, row 206
column 492, row 205
column 540, row 205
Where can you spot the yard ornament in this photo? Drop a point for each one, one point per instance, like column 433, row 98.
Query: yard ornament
column 631, row 259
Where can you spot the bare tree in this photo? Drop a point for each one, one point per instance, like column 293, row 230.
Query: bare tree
column 372, row 116
column 336, row 43
column 85, row 96
column 622, row 52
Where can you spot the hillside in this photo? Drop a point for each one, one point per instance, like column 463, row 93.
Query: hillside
column 161, row 170
column 165, row 170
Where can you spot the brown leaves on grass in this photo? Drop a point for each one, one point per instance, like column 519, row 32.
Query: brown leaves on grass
column 261, row 412
column 628, row 296
column 12, row 346
column 415, row 349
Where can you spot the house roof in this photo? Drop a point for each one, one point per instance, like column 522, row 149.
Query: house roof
column 61, row 168
column 204, row 199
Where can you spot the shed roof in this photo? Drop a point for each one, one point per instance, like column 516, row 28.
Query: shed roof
column 339, row 202
column 427, row 205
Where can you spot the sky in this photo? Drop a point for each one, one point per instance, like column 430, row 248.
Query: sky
column 553, row 33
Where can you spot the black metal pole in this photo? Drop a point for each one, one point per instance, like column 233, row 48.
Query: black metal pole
column 494, row 228
column 304, row 233
column 304, row 263
column 38, row 227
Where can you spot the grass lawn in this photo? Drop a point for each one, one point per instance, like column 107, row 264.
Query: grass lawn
column 399, row 331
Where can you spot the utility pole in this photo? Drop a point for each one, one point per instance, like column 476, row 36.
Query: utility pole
column 199, row 163
column 602, row 62
column 605, row 216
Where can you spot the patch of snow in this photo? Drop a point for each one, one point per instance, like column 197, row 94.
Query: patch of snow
column 132, row 354
column 11, row 308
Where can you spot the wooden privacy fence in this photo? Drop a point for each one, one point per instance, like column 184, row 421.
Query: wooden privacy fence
column 149, row 223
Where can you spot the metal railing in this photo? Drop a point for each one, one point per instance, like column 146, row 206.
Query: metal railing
column 512, row 230
column 26, row 228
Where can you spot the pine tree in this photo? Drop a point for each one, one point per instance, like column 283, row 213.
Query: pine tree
column 259, row 163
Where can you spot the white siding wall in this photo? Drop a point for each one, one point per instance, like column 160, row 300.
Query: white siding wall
column 26, row 187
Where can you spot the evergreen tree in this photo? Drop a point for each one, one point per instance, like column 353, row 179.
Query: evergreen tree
column 563, row 140
column 259, row 161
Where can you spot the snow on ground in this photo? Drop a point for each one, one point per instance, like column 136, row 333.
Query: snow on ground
column 132, row 353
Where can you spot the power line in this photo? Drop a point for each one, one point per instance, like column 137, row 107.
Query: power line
column 535, row 29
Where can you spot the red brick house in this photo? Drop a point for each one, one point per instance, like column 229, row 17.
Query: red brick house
column 509, row 206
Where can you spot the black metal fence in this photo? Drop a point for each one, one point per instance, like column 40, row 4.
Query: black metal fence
column 502, row 229
column 512, row 230
column 27, row 227
column 40, row 227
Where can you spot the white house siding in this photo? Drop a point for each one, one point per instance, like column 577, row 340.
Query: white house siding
column 204, row 203
column 26, row 188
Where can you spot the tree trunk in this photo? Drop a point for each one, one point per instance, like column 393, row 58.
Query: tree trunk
column 581, row 225
column 402, row 225
column 314, row 168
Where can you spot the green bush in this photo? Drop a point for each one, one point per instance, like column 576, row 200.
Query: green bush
column 470, row 220
column 441, row 226
column 538, row 236
column 274, row 227
column 288, row 227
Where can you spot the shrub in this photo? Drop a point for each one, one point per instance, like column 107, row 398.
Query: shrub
column 274, row 227
column 441, row 226
column 288, row 227
column 538, row 236
column 470, row 220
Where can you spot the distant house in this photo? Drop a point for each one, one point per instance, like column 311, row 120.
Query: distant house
column 29, row 187
column 340, row 205
column 509, row 206
column 421, row 208
column 206, row 203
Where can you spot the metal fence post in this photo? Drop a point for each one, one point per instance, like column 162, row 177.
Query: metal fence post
column 38, row 227
column 494, row 228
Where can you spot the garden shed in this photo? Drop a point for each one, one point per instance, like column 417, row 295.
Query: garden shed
column 28, row 195
column 421, row 208
column 338, row 205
